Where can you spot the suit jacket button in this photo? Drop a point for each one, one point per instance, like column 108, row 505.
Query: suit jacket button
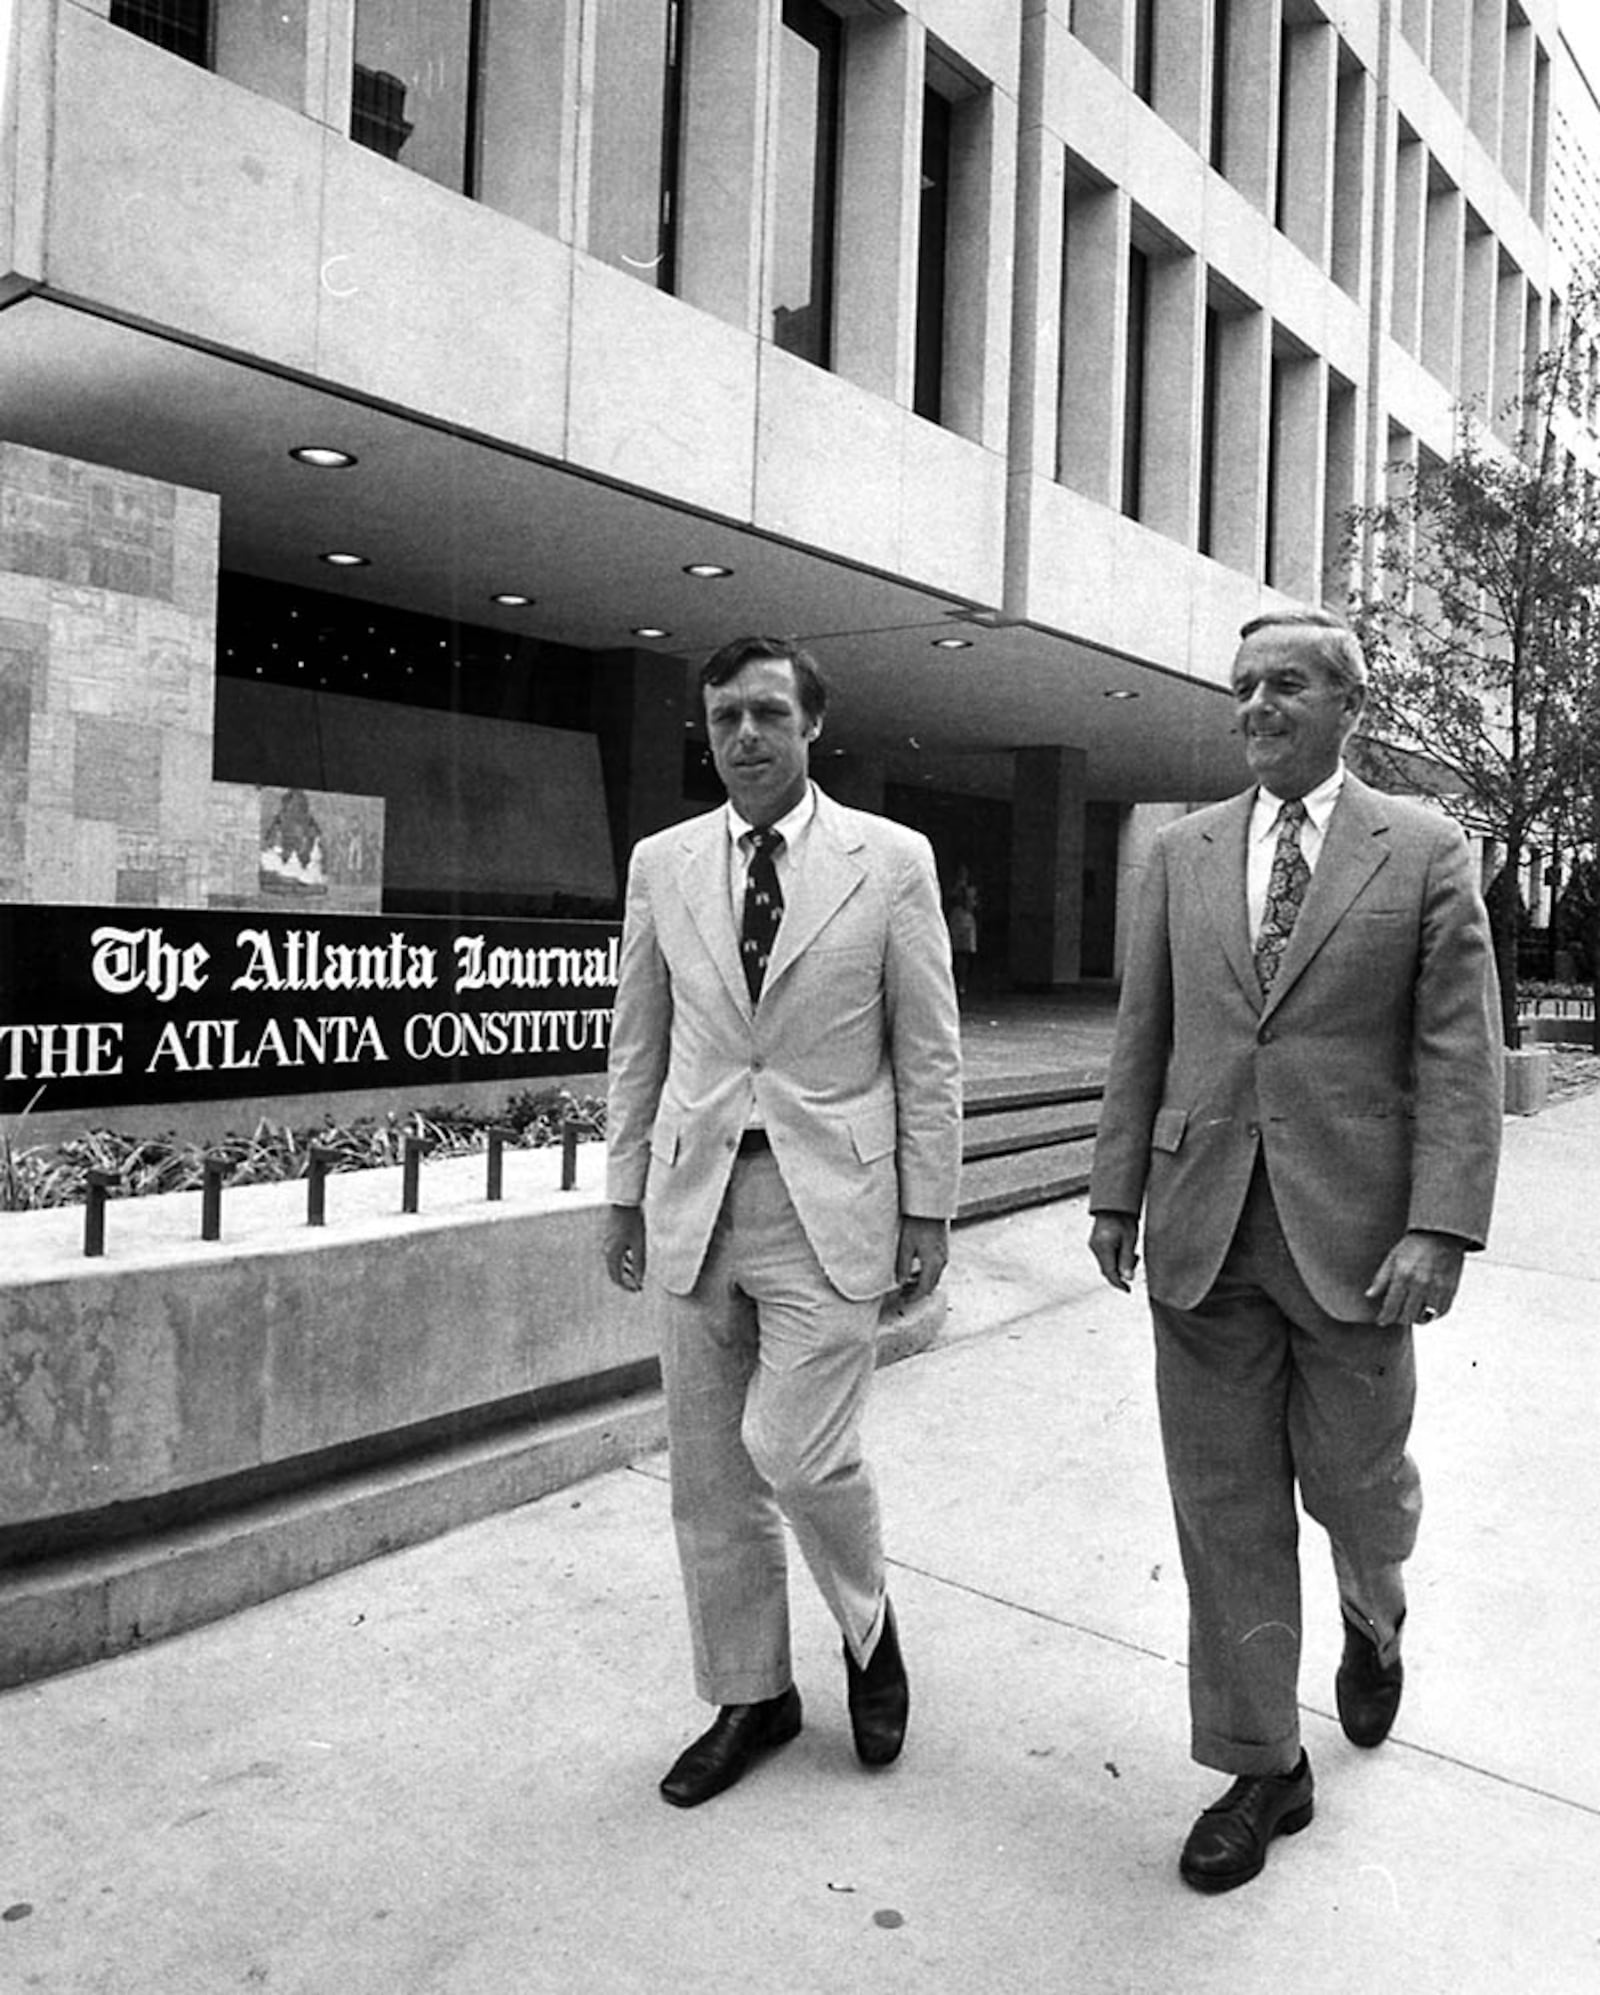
column 1265, row 1035
column 1252, row 1130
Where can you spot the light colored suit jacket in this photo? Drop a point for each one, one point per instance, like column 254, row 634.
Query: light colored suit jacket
column 1370, row 1079
column 852, row 1055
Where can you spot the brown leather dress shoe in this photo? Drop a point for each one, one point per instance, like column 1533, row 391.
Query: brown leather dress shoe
column 1367, row 1691
column 723, row 1754
column 1228, row 1845
column 879, row 1697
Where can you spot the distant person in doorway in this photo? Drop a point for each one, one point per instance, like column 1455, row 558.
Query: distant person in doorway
column 961, row 915
column 783, row 1152
column 1304, row 1100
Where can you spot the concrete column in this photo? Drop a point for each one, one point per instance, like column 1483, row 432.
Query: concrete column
column 1181, row 68
column 722, row 197
column 1352, row 220
column 1294, row 563
column 1306, row 143
column 1339, row 489
column 977, row 279
column 527, row 111
column 1238, row 474
column 1509, row 318
column 1047, row 856
column 1488, row 72
column 1251, row 99
column 1105, row 28
column 1093, row 338
column 1450, row 48
column 1480, row 260
column 880, row 179
column 1516, row 113
column 1441, row 284
column 1168, row 484
column 1406, row 250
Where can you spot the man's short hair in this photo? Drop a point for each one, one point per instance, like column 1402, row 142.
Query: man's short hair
column 728, row 662
column 1337, row 647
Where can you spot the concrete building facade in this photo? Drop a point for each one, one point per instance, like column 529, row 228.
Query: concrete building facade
column 1009, row 355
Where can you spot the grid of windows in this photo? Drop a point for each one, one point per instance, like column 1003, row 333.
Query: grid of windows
column 181, row 26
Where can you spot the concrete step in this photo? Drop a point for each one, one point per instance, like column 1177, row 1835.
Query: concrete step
column 1025, row 1140
column 1018, row 1178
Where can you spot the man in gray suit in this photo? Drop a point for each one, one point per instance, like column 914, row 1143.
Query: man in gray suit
column 784, row 1146
column 1304, row 1098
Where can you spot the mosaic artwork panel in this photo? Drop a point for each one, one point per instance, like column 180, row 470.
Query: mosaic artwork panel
column 320, row 849
column 81, row 523
column 117, row 776
column 22, row 662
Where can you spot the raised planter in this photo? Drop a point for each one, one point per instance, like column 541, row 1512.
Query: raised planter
column 1527, row 1079
column 188, row 1427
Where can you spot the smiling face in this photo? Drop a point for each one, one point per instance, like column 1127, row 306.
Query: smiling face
column 761, row 739
column 1294, row 712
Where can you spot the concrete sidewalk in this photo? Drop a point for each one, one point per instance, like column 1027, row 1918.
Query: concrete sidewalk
column 435, row 1774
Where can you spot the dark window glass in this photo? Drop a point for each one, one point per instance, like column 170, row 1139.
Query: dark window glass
column 1133, row 396
column 808, row 141
column 1144, row 50
column 1219, row 85
column 1210, row 390
column 1274, row 463
column 633, row 169
column 414, row 95
column 932, row 237
column 183, row 26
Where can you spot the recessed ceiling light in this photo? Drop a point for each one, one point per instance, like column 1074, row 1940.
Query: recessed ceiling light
column 650, row 630
column 706, row 571
column 322, row 457
column 952, row 644
column 512, row 600
column 343, row 560
column 1120, row 693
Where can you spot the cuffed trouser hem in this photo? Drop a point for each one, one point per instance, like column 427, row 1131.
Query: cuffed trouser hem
column 754, row 1689
column 1228, row 1756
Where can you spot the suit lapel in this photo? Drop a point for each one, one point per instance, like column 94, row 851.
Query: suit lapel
column 818, row 888
column 703, row 882
column 1220, row 871
column 1353, row 849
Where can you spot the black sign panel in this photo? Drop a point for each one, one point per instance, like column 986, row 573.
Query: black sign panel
column 101, row 1005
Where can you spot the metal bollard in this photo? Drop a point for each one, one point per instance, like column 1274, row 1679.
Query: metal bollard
column 410, row 1173
column 211, row 1176
column 317, row 1163
column 569, row 1154
column 497, row 1160
column 98, row 1184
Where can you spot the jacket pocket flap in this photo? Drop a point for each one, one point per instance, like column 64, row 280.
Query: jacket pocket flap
column 873, row 1135
column 1170, row 1125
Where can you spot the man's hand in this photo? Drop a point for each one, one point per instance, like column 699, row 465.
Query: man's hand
column 624, row 1247
column 920, row 1261
column 1113, row 1241
column 1418, row 1279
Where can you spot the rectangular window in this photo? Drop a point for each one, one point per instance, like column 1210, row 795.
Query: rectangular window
column 932, row 240
column 1144, row 50
column 1210, row 396
column 808, row 144
column 633, row 161
column 1133, row 383
column 1218, row 150
column 414, row 92
column 183, row 26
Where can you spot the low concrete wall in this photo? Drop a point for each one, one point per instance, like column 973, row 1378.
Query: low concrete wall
column 187, row 1427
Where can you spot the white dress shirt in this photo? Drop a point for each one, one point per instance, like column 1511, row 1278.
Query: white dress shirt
column 793, row 825
column 1263, row 838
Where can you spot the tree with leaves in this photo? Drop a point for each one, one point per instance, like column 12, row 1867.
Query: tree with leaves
column 1480, row 614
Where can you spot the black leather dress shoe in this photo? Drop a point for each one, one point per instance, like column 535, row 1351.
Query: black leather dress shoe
column 1367, row 1691
column 879, row 1696
column 723, row 1754
column 1228, row 1845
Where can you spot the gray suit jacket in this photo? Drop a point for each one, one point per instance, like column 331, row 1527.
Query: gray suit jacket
column 1370, row 1079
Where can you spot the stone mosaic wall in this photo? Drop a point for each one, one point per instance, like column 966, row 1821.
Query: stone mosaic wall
column 107, row 713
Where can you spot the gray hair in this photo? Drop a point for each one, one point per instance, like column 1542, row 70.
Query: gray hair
column 1336, row 647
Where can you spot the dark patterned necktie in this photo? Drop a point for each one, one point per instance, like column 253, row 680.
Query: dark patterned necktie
column 763, row 907
column 1286, row 890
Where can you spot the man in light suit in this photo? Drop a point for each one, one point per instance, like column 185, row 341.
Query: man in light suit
column 783, row 1139
column 1304, row 1098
